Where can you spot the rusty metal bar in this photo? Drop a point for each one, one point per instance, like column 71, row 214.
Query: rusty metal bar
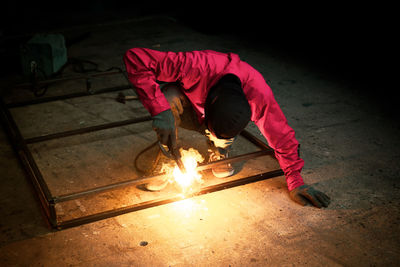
column 70, row 78
column 252, row 138
column 163, row 201
column 40, row 100
column 86, row 130
column 28, row 163
column 109, row 187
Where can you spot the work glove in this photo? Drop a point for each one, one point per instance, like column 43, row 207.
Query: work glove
column 164, row 125
column 306, row 193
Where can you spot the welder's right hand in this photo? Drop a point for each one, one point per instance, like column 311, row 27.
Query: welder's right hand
column 165, row 127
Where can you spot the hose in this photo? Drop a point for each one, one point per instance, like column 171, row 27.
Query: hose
column 149, row 171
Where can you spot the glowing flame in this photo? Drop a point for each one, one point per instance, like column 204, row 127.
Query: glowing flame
column 186, row 181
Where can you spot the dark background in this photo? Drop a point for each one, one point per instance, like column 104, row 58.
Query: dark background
column 352, row 42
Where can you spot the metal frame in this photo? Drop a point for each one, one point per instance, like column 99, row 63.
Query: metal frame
column 48, row 201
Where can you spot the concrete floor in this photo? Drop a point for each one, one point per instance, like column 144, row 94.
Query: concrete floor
column 349, row 145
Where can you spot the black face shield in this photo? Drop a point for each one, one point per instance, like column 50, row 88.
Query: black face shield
column 227, row 111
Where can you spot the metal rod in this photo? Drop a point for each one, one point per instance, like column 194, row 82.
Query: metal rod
column 86, row 130
column 249, row 136
column 243, row 157
column 67, row 96
column 27, row 162
column 69, row 78
column 109, row 187
column 163, row 201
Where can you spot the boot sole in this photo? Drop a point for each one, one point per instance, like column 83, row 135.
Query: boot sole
column 223, row 174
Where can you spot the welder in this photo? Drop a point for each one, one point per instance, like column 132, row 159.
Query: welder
column 216, row 94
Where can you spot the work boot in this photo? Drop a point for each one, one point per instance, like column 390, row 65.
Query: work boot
column 218, row 149
column 157, row 185
column 223, row 170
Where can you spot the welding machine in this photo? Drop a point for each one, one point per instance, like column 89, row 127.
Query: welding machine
column 43, row 53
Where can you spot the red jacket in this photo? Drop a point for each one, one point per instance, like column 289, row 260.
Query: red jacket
column 197, row 72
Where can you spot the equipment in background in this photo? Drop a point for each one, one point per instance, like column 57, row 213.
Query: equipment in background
column 43, row 54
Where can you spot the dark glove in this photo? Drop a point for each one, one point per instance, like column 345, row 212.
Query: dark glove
column 164, row 125
column 306, row 193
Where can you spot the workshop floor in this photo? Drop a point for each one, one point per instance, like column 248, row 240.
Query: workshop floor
column 350, row 148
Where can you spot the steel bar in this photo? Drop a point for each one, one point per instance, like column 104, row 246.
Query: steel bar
column 163, row 201
column 86, row 130
column 69, row 78
column 67, row 96
column 137, row 181
column 28, row 163
column 242, row 157
column 249, row 136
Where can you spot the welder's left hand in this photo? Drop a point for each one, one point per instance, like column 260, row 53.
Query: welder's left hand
column 306, row 193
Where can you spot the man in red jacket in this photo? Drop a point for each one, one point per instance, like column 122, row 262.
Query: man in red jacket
column 221, row 94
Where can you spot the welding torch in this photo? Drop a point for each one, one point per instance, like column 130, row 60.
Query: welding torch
column 173, row 154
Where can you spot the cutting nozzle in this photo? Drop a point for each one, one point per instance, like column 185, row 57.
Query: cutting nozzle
column 173, row 154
